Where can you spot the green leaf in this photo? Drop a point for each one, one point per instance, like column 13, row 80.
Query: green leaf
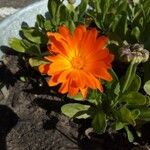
column 122, row 6
column 47, row 25
column 118, row 126
column 105, row 7
column 40, row 21
column 75, row 110
column 135, row 84
column 125, row 116
column 129, row 134
column 122, row 25
column 65, row 14
column 52, row 7
column 99, row 122
column 129, row 76
column 135, row 113
column 82, row 7
column 17, row 45
column 97, row 6
column 78, row 97
column 136, row 1
column 24, row 46
column 147, row 100
column 35, row 62
column 134, row 98
column 94, row 96
column 71, row 26
column 135, row 32
column 23, row 78
column 144, row 114
column 35, row 36
column 117, row 89
column 147, row 87
column 31, row 48
column 114, row 75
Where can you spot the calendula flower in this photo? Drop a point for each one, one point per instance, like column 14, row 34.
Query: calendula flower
column 80, row 60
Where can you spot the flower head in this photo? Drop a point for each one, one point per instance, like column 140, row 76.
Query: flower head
column 79, row 61
column 135, row 52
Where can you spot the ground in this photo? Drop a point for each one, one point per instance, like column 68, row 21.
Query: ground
column 8, row 7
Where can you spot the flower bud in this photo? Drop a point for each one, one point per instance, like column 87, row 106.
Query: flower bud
column 134, row 51
column 145, row 55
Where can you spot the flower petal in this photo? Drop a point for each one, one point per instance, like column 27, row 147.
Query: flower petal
column 101, row 42
column 44, row 68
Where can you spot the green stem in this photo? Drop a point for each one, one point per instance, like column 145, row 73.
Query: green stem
column 128, row 80
column 129, row 75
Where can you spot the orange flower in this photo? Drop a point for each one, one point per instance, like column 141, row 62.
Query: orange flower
column 79, row 62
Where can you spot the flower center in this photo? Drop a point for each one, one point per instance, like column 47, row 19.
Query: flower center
column 77, row 63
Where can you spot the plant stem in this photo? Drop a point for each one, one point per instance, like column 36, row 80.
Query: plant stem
column 129, row 75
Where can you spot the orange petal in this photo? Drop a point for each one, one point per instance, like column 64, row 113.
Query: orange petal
column 78, row 34
column 58, row 44
column 59, row 65
column 53, row 81
column 64, row 31
column 44, row 68
column 64, row 76
column 64, row 87
column 88, row 41
column 76, row 78
column 73, row 91
column 100, row 42
column 90, row 81
column 104, row 74
column 84, row 92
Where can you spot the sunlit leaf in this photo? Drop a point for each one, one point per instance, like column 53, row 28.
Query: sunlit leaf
column 147, row 87
column 129, row 134
column 17, row 45
column 35, row 36
column 118, row 126
column 78, row 97
column 35, row 62
column 76, row 110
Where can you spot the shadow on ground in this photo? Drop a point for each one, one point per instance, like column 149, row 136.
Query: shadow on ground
column 8, row 119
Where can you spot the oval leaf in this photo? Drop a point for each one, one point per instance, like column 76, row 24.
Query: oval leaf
column 129, row 134
column 35, row 62
column 135, row 84
column 135, row 98
column 76, row 110
column 78, row 97
column 125, row 116
column 99, row 122
column 17, row 45
column 35, row 36
column 136, row 32
column 147, row 87
column 145, row 114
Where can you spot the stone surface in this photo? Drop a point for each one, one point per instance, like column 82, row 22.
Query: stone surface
column 8, row 7
column 16, row 3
